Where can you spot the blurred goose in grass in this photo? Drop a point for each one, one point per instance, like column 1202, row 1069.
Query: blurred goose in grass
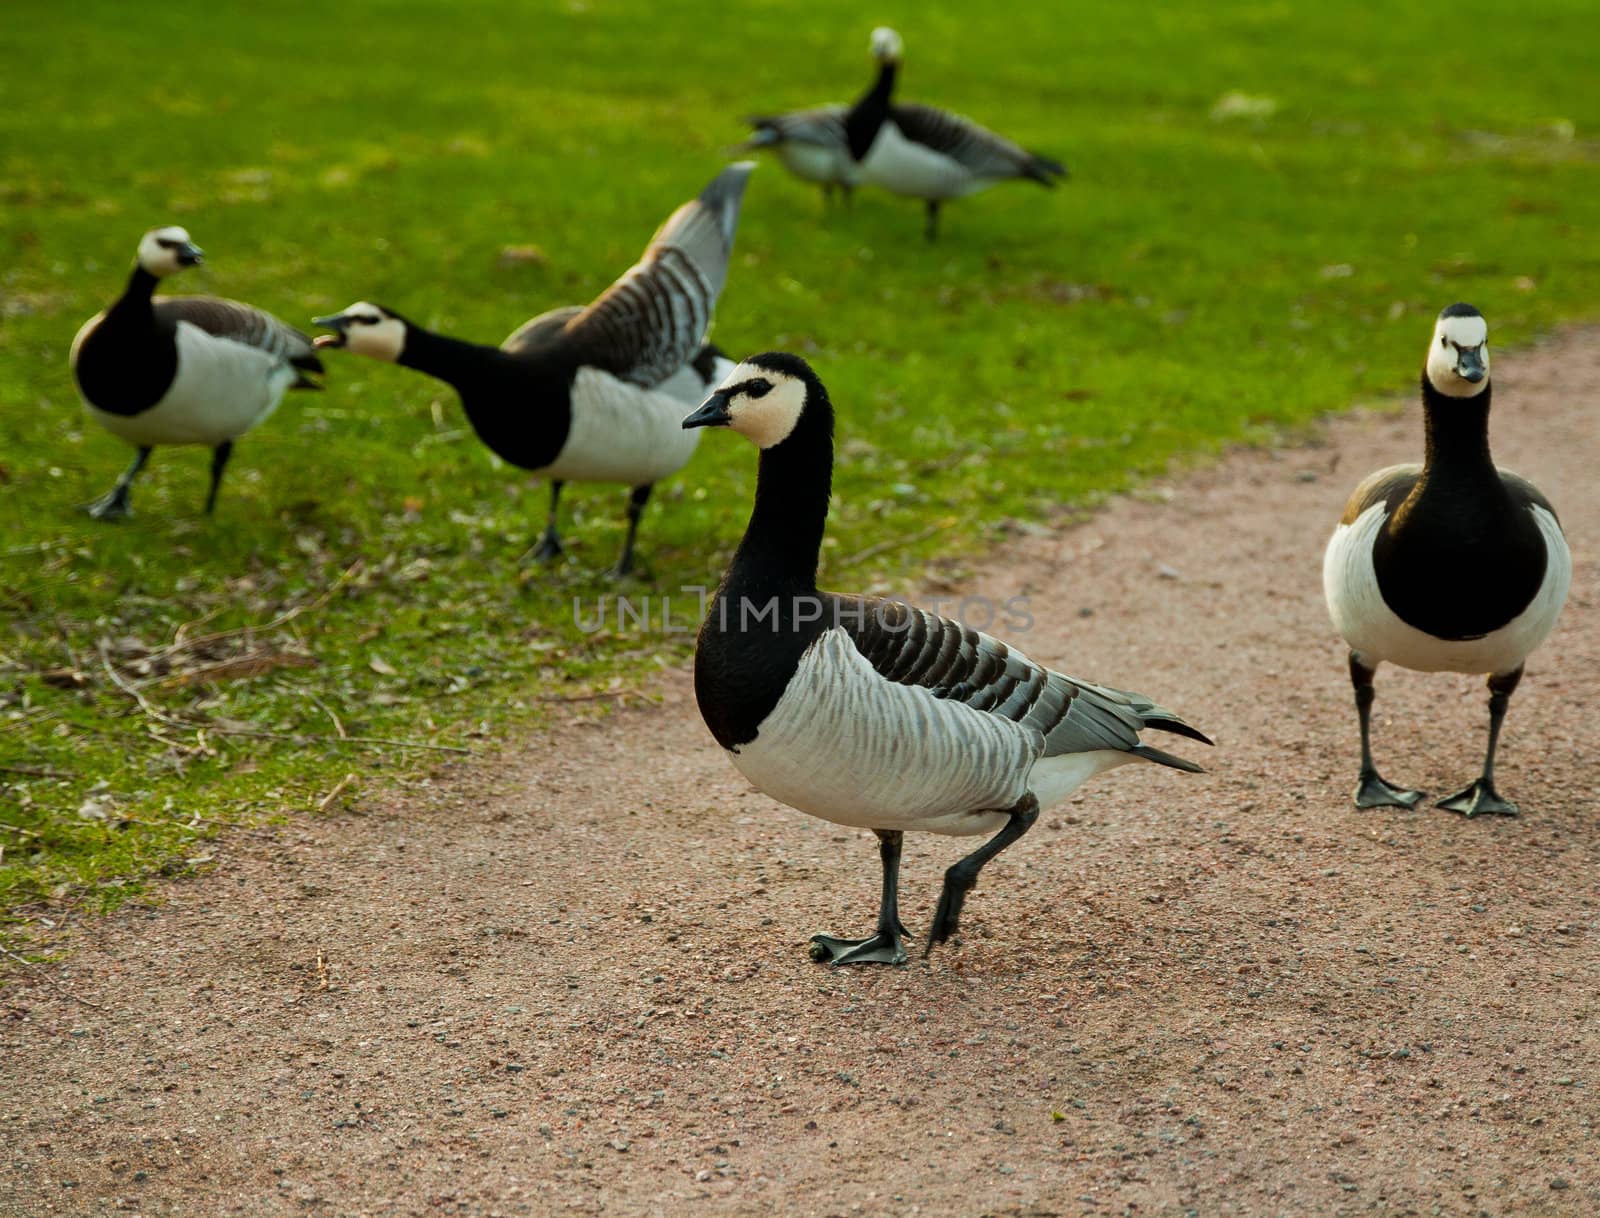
column 1453, row 565
column 927, row 153
column 182, row 369
column 869, row 712
column 811, row 144
column 592, row 394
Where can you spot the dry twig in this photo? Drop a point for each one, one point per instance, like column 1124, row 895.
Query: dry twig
column 326, row 800
column 896, row 543
column 51, row 981
column 34, row 771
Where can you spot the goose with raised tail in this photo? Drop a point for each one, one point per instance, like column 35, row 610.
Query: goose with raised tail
column 872, row 713
column 592, row 394
column 182, row 369
column 1453, row 565
column 927, row 153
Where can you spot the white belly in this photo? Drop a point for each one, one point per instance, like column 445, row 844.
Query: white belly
column 904, row 167
column 1350, row 584
column 847, row 746
column 221, row 390
column 622, row 433
column 815, row 163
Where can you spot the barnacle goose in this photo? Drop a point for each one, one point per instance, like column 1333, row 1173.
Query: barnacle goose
column 926, row 153
column 811, row 144
column 869, row 712
column 182, row 369
column 591, row 394
column 1453, row 565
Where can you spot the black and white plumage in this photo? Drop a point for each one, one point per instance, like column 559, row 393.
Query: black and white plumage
column 182, row 369
column 1453, row 565
column 927, row 153
column 592, row 394
column 812, row 145
column 868, row 712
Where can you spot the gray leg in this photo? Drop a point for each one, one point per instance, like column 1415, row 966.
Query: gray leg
column 219, row 462
column 958, row 881
column 113, row 505
column 931, row 232
column 636, row 502
column 550, row 543
column 885, row 946
column 1371, row 790
column 1480, row 798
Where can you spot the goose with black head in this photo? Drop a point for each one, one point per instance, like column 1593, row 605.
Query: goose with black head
column 177, row 370
column 1451, row 565
column 873, row 713
column 591, row 394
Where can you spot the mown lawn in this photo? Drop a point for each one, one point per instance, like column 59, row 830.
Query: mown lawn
column 1218, row 268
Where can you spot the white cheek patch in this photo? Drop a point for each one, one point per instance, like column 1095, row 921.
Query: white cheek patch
column 1465, row 331
column 385, row 340
column 769, row 420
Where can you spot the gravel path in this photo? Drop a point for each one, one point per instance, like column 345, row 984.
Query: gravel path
column 573, row 979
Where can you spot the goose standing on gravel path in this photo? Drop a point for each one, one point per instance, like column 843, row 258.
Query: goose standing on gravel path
column 869, row 712
column 1453, row 565
column 182, row 369
column 811, row 144
column 592, row 394
column 927, row 153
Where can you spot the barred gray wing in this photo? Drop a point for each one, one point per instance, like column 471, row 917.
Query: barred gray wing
column 241, row 323
column 913, row 646
column 653, row 320
column 981, row 151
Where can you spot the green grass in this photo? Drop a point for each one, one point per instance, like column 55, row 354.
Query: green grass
column 1199, row 281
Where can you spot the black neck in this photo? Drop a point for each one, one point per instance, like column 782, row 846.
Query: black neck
column 1456, row 436
column 452, row 360
column 135, row 298
column 866, row 116
column 784, row 537
column 518, row 404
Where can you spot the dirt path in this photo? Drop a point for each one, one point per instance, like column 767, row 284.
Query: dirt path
column 574, row 981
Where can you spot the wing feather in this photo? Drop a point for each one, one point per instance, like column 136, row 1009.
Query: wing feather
column 653, row 320
column 983, row 152
column 242, row 323
column 953, row 662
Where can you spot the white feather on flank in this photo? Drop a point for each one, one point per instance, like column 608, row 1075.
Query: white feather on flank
column 1359, row 612
column 622, row 433
column 848, row 745
column 221, row 390
column 816, row 163
column 905, row 167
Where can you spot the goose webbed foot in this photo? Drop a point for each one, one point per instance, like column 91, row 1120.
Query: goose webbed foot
column 626, row 568
column 1373, row 792
column 548, row 549
column 882, row 948
column 113, row 505
column 1479, row 799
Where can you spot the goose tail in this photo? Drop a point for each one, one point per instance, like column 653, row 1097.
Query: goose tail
column 1043, row 169
column 1162, row 757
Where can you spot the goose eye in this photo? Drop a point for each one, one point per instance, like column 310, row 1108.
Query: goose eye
column 1443, row 341
column 758, row 389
